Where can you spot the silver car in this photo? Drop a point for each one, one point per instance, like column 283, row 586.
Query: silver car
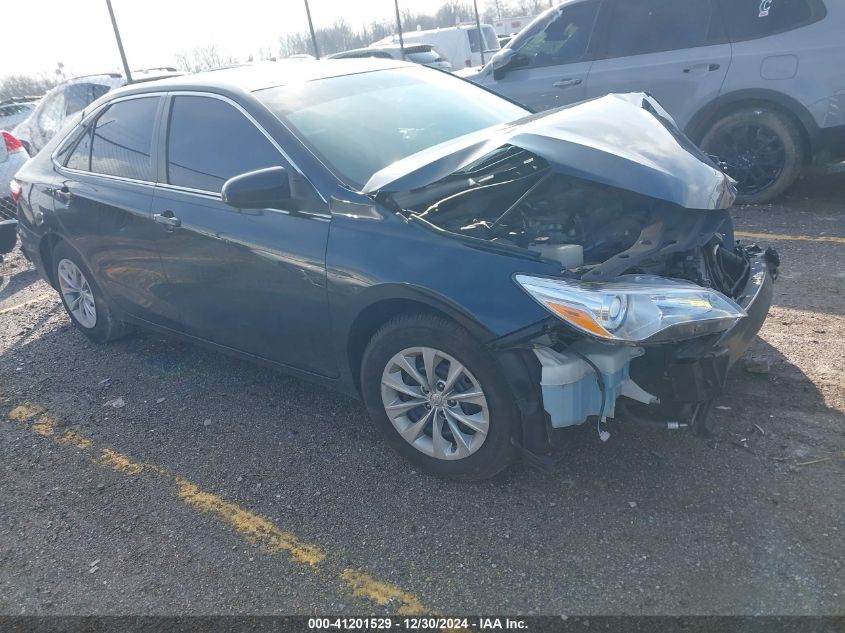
column 13, row 112
column 70, row 97
column 424, row 54
column 12, row 158
column 757, row 83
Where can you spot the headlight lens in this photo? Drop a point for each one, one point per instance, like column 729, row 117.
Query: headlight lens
column 636, row 308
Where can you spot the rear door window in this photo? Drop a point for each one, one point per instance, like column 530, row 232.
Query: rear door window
column 123, row 139
column 638, row 27
column 210, row 141
column 751, row 19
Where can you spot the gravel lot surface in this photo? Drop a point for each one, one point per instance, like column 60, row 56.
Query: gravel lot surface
column 154, row 477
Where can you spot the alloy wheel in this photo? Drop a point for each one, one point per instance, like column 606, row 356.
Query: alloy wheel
column 435, row 403
column 77, row 294
column 754, row 155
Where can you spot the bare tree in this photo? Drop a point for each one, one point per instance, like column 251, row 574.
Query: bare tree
column 25, row 85
column 203, row 58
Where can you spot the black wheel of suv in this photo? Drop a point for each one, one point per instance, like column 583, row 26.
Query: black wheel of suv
column 762, row 150
column 82, row 298
column 439, row 398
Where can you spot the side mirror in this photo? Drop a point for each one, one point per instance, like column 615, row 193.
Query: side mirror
column 267, row 188
column 500, row 60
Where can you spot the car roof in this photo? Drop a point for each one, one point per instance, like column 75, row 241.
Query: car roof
column 252, row 77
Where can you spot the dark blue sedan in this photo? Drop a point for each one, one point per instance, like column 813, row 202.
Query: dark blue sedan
column 482, row 276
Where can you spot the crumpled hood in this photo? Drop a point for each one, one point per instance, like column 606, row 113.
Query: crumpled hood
column 622, row 140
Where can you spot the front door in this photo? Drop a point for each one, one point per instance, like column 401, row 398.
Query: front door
column 550, row 70
column 251, row 280
column 675, row 51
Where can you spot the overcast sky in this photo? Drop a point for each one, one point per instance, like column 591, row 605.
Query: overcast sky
column 78, row 32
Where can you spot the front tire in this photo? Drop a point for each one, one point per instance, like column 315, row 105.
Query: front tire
column 82, row 298
column 763, row 151
column 439, row 398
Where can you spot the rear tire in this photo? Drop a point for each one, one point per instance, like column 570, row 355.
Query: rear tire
column 82, row 298
column 473, row 427
column 763, row 150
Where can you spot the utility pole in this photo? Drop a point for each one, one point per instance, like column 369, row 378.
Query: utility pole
column 119, row 43
column 481, row 43
column 399, row 28
column 311, row 28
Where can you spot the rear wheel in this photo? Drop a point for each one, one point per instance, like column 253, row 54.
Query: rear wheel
column 81, row 296
column 762, row 149
column 439, row 398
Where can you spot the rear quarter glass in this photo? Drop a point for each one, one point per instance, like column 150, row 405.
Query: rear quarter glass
column 753, row 19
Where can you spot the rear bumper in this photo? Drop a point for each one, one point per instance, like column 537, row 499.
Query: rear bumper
column 829, row 142
column 30, row 242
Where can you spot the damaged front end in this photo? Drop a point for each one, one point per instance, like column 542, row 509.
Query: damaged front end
column 652, row 299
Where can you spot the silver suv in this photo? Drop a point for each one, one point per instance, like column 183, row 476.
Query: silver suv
column 70, row 97
column 757, row 83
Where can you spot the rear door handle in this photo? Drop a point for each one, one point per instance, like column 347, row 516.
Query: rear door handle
column 167, row 220
column 566, row 83
column 702, row 67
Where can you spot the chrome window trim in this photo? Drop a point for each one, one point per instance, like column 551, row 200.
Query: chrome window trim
column 85, row 119
column 145, row 183
column 251, row 119
column 177, row 188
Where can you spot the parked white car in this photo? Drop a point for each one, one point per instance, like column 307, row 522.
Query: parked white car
column 424, row 54
column 12, row 158
column 460, row 45
column 13, row 112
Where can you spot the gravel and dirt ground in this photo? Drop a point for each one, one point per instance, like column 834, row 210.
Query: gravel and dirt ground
column 154, row 477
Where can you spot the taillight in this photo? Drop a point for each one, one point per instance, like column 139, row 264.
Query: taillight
column 15, row 188
column 12, row 144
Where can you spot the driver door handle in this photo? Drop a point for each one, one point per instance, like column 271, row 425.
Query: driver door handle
column 702, row 68
column 167, row 220
column 566, row 83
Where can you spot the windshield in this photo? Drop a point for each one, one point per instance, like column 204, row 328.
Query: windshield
column 359, row 124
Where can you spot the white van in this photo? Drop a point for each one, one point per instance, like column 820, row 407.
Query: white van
column 459, row 44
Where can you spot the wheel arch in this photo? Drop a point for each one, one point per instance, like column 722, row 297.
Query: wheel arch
column 733, row 101
column 46, row 246
column 395, row 302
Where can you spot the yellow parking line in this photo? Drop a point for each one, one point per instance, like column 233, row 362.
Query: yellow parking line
column 791, row 238
column 252, row 526
column 37, row 299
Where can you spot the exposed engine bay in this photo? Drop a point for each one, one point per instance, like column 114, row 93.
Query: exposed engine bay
column 599, row 233
column 596, row 232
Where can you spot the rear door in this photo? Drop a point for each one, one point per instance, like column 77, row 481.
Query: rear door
column 253, row 280
column 551, row 69
column 676, row 51
column 103, row 204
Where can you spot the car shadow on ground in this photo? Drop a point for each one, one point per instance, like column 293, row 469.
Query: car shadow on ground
column 606, row 515
column 14, row 280
column 207, row 383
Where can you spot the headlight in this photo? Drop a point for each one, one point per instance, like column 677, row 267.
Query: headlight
column 636, row 308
